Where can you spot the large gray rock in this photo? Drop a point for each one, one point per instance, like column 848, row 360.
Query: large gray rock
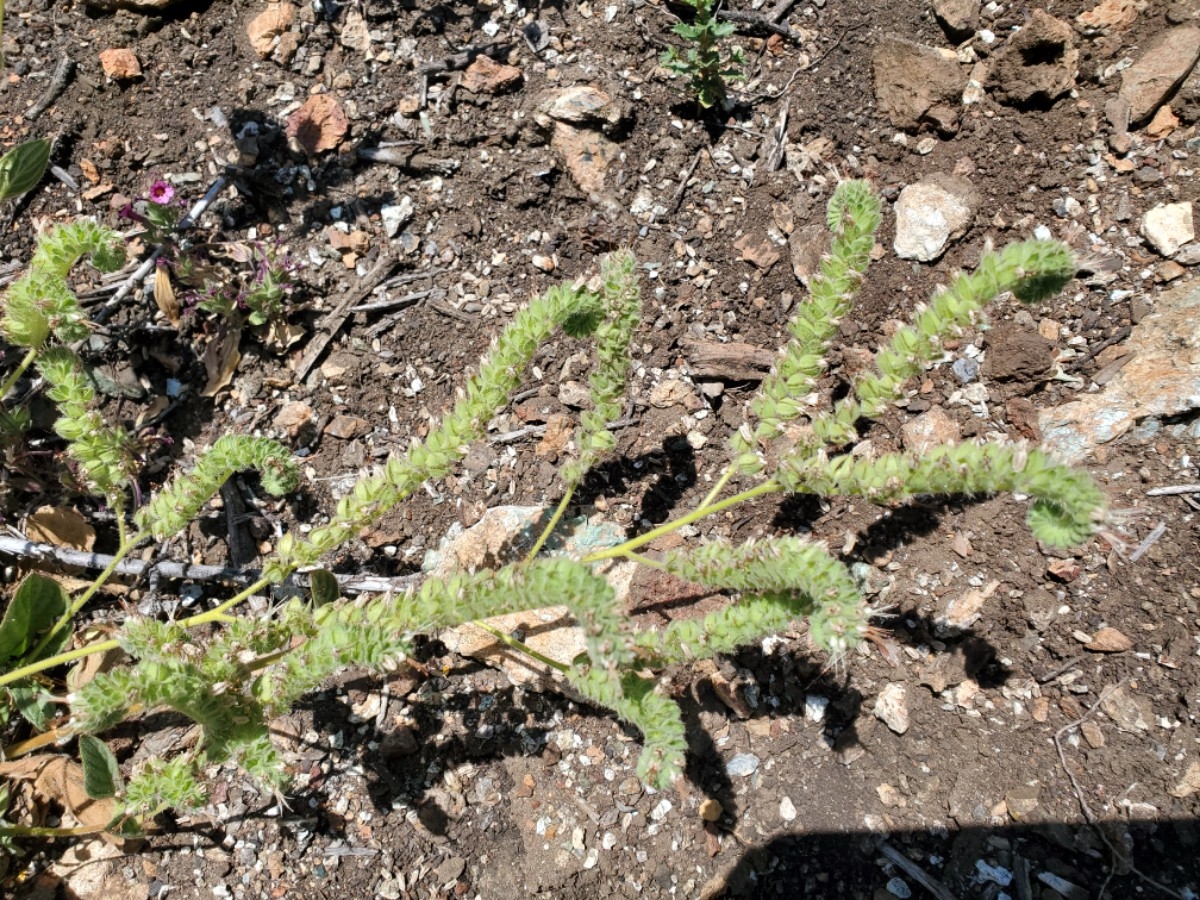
column 1037, row 65
column 1161, row 68
column 932, row 213
column 1162, row 378
column 917, row 85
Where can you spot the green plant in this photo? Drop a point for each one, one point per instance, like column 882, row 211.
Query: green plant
column 232, row 677
column 703, row 64
column 22, row 167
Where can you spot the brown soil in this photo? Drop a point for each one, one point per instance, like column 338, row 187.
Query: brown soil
column 457, row 784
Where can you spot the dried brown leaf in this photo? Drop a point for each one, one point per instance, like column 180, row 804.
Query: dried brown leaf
column 164, row 296
column 62, row 526
column 221, row 358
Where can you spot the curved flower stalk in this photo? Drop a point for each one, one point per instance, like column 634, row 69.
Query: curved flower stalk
column 40, row 303
column 1032, row 270
column 174, row 507
column 1067, row 509
column 623, row 311
column 853, row 217
column 102, row 451
column 799, row 576
column 578, row 311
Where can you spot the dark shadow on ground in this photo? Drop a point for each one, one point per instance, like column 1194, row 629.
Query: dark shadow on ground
column 1050, row 860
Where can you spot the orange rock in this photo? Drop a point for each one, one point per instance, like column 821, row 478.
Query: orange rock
column 1164, row 122
column 268, row 25
column 120, row 64
column 318, row 125
column 486, row 76
column 1109, row 640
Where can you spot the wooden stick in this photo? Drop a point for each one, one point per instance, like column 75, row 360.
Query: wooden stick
column 337, row 317
column 915, row 872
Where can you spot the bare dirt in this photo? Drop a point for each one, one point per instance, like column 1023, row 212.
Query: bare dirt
column 449, row 782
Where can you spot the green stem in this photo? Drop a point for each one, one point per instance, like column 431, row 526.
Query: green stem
column 66, row 617
column 718, row 487
column 217, row 613
column 554, row 520
column 522, row 647
column 213, row 615
column 767, row 487
column 57, row 660
column 25, row 363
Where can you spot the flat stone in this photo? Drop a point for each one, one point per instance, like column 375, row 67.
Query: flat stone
column 587, row 155
column 269, row 24
column 673, row 392
column 742, row 766
column 1160, row 69
column 581, row 104
column 574, row 394
column 486, row 76
column 355, row 35
column 807, row 245
column 293, row 417
column 911, row 79
column 932, row 213
column 1168, row 226
column 958, row 18
column 1162, row 379
column 1022, row 801
column 1130, row 712
column 891, row 707
column 1109, row 640
column 1108, row 17
column 347, row 427
column 396, row 215
column 120, row 64
column 1037, row 65
column 932, row 428
column 1188, row 784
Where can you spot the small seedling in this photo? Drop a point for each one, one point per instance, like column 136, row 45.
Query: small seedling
column 232, row 671
column 703, row 63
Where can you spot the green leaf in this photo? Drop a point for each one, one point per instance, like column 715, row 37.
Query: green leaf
column 323, row 586
column 37, row 604
column 22, row 167
column 30, row 702
column 101, row 774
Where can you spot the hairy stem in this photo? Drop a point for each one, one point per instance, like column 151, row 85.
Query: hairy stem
column 66, row 617
column 521, row 647
column 552, row 524
column 18, row 372
column 767, row 487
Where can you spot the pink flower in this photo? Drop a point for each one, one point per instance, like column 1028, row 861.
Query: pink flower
column 161, row 192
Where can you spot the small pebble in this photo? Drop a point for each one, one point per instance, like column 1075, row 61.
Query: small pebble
column 897, row 888
column 744, row 764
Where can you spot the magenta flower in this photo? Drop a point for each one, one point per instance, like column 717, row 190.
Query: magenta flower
column 161, row 192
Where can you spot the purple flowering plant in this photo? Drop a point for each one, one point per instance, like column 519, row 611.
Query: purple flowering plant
column 258, row 292
column 159, row 211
